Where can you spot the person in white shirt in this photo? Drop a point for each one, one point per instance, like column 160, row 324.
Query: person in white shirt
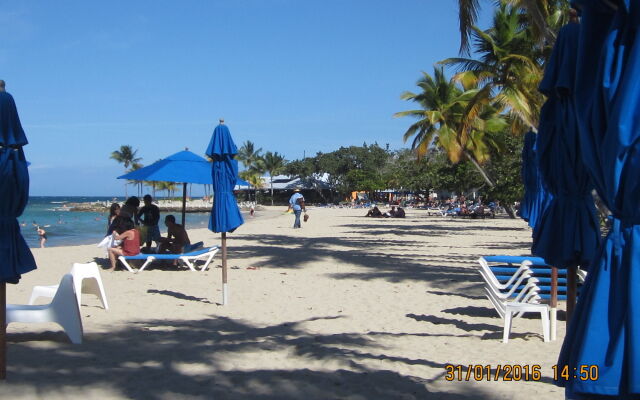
column 296, row 203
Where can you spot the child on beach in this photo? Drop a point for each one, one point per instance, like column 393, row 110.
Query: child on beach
column 43, row 236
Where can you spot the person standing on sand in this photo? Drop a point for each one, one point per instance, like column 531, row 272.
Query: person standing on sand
column 296, row 203
column 149, row 216
column 43, row 236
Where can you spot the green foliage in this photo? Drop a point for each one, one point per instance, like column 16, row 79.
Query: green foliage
column 505, row 167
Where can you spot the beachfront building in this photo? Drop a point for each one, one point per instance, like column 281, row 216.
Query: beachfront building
column 314, row 190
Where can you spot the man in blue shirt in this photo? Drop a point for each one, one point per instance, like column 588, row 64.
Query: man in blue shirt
column 296, row 202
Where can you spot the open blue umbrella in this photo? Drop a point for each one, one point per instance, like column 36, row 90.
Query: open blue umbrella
column 15, row 256
column 604, row 330
column 182, row 167
column 225, row 214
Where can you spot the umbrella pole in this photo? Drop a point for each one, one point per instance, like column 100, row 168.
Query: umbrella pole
column 225, row 298
column 184, row 202
column 3, row 331
column 572, row 274
column 553, row 303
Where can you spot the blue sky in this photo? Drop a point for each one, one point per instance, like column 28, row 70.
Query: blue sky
column 292, row 76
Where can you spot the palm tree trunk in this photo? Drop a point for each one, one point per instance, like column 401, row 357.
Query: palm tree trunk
column 271, row 179
column 485, row 176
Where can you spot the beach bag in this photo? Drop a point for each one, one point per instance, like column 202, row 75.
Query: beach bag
column 306, row 217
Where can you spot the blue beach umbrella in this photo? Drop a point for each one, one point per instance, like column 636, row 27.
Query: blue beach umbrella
column 604, row 329
column 225, row 214
column 536, row 198
column 15, row 256
column 568, row 232
column 182, row 167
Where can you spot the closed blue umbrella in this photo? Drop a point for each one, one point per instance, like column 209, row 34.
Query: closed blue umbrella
column 536, row 198
column 225, row 214
column 604, row 330
column 15, row 256
column 568, row 233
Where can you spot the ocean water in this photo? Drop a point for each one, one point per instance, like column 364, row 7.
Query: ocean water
column 66, row 228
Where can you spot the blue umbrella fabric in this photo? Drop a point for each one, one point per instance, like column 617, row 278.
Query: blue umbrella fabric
column 604, row 330
column 15, row 256
column 225, row 214
column 536, row 198
column 568, row 232
column 183, row 167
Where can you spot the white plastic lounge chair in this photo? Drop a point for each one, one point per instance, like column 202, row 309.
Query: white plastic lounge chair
column 526, row 301
column 62, row 310
column 522, row 273
column 86, row 279
column 189, row 259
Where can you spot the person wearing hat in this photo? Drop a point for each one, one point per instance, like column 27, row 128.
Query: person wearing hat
column 296, row 203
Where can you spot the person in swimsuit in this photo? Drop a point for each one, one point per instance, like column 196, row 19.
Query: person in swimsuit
column 177, row 237
column 43, row 236
column 125, row 231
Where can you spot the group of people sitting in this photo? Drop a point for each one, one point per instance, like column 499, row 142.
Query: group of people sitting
column 129, row 227
column 393, row 213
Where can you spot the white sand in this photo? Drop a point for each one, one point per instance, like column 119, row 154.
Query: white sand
column 347, row 307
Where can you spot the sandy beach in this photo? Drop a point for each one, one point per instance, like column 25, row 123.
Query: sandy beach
column 345, row 308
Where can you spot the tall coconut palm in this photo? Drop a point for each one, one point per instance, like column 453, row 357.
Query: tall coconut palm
column 273, row 163
column 136, row 166
column 508, row 66
column 255, row 179
column 447, row 118
column 544, row 17
column 248, row 154
column 127, row 157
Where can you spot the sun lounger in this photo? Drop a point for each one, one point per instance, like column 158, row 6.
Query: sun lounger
column 189, row 259
column 526, row 300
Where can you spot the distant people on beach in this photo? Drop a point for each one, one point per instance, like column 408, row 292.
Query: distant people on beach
column 399, row 213
column 124, row 230
column 43, row 236
column 177, row 237
column 130, row 209
column 296, row 203
column 149, row 216
column 374, row 212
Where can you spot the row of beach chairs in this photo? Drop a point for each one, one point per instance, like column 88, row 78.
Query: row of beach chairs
column 516, row 285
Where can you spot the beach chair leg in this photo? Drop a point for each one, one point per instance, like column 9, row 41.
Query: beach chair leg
column 544, row 315
column 209, row 259
column 507, row 327
column 188, row 263
column 126, row 264
column 147, row 262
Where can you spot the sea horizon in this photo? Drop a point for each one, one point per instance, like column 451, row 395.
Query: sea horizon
column 72, row 228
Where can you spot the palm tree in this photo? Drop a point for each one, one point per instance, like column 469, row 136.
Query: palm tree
column 126, row 156
column 273, row 163
column 255, row 179
column 543, row 16
column 508, row 68
column 136, row 166
column 449, row 119
column 248, row 155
